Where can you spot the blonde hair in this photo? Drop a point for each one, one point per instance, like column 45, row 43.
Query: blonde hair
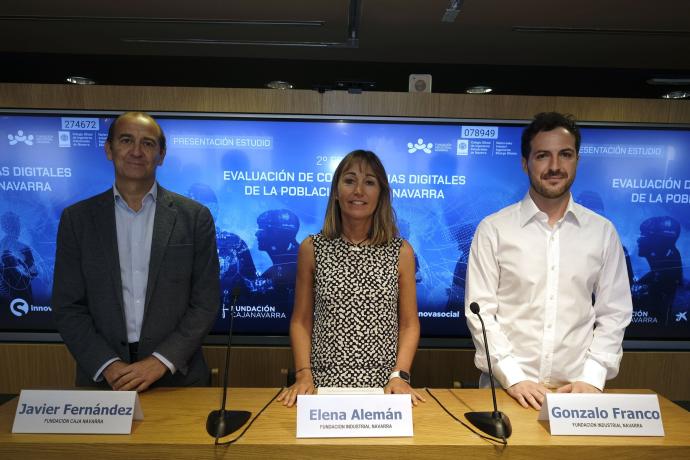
column 383, row 228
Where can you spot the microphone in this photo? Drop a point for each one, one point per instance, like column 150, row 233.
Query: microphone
column 222, row 422
column 496, row 424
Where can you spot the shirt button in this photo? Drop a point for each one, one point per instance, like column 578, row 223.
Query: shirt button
column 553, row 267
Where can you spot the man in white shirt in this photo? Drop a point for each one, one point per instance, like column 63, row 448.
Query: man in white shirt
column 550, row 278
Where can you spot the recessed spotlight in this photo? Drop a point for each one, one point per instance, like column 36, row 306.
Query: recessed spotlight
column 676, row 95
column 479, row 89
column 80, row 80
column 452, row 11
column 279, row 84
column 669, row 81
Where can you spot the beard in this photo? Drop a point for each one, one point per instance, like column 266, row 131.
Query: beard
column 540, row 187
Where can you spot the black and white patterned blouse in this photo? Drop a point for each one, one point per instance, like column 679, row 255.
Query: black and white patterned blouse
column 355, row 332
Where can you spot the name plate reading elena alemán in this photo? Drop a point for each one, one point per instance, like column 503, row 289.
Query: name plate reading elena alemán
column 602, row 414
column 354, row 416
column 67, row 411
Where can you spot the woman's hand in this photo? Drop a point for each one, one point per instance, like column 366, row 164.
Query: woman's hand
column 398, row 386
column 302, row 386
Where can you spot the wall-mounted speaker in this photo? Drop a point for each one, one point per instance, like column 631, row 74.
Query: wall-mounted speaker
column 420, row 83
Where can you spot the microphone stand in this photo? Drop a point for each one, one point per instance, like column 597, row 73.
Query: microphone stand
column 496, row 423
column 222, row 422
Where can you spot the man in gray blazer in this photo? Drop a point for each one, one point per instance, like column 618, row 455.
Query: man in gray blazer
column 136, row 285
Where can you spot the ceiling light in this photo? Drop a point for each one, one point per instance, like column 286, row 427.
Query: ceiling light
column 676, row 95
column 279, row 84
column 669, row 81
column 479, row 89
column 79, row 80
column 452, row 11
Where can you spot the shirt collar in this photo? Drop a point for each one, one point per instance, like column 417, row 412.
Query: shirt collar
column 528, row 210
column 153, row 193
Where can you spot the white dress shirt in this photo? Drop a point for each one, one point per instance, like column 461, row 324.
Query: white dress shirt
column 534, row 285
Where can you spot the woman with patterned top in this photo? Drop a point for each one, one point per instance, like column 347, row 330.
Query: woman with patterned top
column 354, row 322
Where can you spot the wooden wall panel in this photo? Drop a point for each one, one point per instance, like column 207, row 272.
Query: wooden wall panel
column 617, row 110
column 35, row 366
column 51, row 366
column 501, row 107
column 158, row 99
column 250, row 366
column 337, row 103
column 667, row 373
column 679, row 112
column 384, row 104
column 445, row 368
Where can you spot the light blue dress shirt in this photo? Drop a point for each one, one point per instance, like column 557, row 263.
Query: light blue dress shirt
column 134, row 233
column 134, row 236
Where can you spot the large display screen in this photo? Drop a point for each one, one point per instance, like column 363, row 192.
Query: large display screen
column 266, row 181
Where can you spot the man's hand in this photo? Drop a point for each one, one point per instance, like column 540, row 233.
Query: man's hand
column 137, row 376
column 528, row 393
column 113, row 372
column 578, row 387
column 398, row 386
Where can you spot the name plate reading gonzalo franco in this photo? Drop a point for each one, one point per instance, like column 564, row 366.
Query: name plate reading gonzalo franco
column 92, row 412
column 602, row 414
column 354, row 416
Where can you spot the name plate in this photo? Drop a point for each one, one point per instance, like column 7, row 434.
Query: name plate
column 354, row 416
column 602, row 414
column 63, row 411
column 349, row 391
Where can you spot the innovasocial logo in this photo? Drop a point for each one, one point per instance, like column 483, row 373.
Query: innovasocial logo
column 21, row 137
column 420, row 145
column 681, row 316
column 19, row 307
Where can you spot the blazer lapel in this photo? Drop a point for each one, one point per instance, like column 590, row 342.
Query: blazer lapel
column 104, row 221
column 163, row 224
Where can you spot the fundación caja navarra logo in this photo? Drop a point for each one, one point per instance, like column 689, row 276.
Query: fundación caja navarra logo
column 20, row 137
column 420, row 146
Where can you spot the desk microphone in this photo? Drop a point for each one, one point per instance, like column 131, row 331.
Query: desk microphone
column 222, row 422
column 496, row 424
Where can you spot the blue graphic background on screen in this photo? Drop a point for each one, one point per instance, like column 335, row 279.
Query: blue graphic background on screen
column 267, row 182
column 641, row 184
column 39, row 179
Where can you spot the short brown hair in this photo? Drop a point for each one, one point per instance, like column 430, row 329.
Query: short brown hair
column 548, row 121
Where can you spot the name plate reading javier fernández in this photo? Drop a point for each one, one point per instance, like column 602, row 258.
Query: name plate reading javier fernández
column 354, row 416
column 602, row 414
column 55, row 411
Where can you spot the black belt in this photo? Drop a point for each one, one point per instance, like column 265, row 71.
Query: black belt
column 133, row 352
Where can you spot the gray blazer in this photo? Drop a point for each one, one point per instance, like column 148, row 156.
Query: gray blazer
column 182, row 295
